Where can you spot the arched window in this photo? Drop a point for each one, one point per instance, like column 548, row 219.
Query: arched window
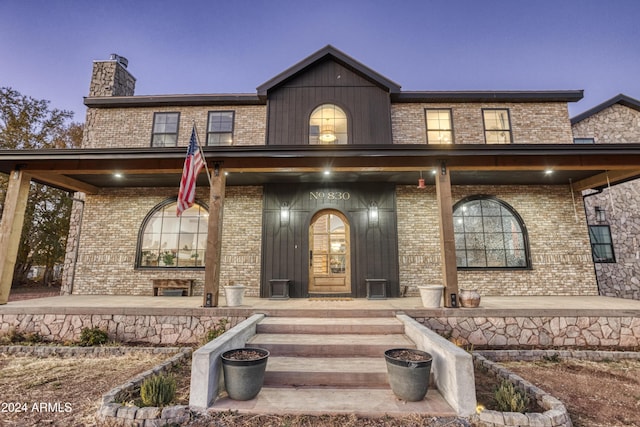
column 328, row 125
column 169, row 241
column 489, row 234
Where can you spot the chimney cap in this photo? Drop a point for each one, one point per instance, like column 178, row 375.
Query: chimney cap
column 121, row 59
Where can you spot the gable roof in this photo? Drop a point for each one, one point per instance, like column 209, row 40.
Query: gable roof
column 321, row 55
column 621, row 99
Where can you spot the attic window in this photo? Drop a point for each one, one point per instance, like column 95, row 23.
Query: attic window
column 328, row 125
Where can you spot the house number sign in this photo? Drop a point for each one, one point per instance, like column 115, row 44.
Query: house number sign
column 329, row 195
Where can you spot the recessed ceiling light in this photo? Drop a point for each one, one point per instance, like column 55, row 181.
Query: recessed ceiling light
column 327, row 172
column 117, row 175
column 548, row 172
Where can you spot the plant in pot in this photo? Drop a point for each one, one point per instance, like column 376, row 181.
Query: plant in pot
column 409, row 371
column 243, row 370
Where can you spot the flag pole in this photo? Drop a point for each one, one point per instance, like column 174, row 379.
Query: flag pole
column 206, row 168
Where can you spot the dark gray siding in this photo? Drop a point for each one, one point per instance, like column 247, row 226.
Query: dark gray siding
column 285, row 249
column 367, row 106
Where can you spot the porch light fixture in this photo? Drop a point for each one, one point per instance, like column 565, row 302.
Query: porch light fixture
column 601, row 214
column 421, row 182
column 373, row 214
column 284, row 214
column 548, row 171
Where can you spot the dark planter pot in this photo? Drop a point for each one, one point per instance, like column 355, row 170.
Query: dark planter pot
column 243, row 379
column 409, row 380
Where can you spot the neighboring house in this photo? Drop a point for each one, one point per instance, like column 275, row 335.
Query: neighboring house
column 329, row 176
column 613, row 213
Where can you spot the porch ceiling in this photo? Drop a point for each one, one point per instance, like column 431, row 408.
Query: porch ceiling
column 90, row 169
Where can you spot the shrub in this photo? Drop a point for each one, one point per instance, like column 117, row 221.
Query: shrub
column 158, row 390
column 510, row 399
column 90, row 337
column 217, row 330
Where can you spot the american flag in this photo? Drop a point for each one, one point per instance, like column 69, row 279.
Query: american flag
column 192, row 166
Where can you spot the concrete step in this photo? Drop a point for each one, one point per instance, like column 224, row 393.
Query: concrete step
column 316, row 345
column 353, row 372
column 315, row 325
column 318, row 401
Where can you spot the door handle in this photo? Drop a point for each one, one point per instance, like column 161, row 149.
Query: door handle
column 310, row 258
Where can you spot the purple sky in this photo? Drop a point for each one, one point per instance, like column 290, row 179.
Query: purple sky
column 191, row 47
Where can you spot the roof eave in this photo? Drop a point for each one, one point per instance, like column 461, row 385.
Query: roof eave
column 171, row 100
column 621, row 99
column 488, row 96
column 341, row 57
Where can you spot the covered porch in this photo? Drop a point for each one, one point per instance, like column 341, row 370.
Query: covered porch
column 576, row 167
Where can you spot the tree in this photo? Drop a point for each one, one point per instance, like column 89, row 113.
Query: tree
column 29, row 124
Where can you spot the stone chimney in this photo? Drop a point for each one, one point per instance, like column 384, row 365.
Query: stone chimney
column 111, row 78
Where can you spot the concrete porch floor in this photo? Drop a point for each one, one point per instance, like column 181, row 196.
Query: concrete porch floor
column 489, row 306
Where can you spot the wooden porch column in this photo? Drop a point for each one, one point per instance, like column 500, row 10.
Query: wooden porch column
column 15, row 205
column 447, row 238
column 214, row 237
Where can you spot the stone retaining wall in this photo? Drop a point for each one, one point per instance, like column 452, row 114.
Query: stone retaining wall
column 536, row 331
column 152, row 329
column 555, row 414
column 131, row 415
column 497, row 331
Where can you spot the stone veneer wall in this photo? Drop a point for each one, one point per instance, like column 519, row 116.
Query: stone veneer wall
column 558, row 241
column 531, row 123
column 127, row 328
column 111, row 78
column 621, row 278
column 132, row 127
column 556, row 331
column 112, row 221
column 617, row 124
column 474, row 327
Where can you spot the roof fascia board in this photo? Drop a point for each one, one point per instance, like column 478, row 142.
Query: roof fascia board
column 341, row 57
column 446, row 150
column 488, row 96
column 171, row 100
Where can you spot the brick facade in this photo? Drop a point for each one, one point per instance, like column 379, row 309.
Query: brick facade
column 111, row 219
column 559, row 245
column 111, row 224
column 531, row 123
column 132, row 127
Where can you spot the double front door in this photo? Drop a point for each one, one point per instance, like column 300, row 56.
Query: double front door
column 329, row 253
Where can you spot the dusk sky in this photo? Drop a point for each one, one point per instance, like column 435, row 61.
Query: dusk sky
column 194, row 47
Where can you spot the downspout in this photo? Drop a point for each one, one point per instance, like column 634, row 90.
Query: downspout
column 76, row 249
column 586, row 218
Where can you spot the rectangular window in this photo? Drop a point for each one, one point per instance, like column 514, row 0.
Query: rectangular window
column 601, row 243
column 165, row 129
column 439, row 126
column 583, row 140
column 220, row 128
column 497, row 126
